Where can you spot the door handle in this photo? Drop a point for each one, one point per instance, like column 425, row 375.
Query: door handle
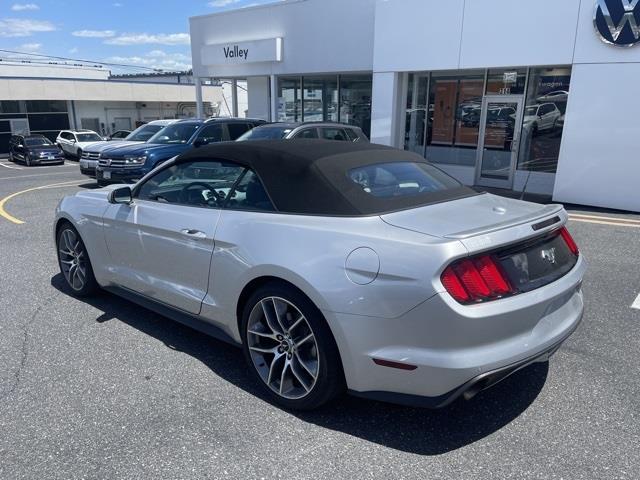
column 192, row 233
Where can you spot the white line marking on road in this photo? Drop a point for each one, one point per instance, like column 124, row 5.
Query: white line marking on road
column 599, row 222
column 636, row 304
column 12, row 167
column 601, row 217
column 45, row 175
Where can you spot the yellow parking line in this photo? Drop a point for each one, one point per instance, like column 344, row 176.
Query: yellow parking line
column 602, row 218
column 17, row 221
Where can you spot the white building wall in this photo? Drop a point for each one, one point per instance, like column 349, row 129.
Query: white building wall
column 259, row 105
column 597, row 165
column 318, row 37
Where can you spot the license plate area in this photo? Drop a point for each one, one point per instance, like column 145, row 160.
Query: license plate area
column 537, row 263
column 106, row 175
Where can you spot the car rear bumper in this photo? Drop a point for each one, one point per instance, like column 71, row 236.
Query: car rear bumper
column 454, row 349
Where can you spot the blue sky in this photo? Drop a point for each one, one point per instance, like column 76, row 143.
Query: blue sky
column 141, row 32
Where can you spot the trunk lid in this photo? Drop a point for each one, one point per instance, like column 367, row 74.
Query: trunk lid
column 523, row 238
column 481, row 222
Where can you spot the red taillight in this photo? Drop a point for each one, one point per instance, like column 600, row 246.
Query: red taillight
column 475, row 280
column 454, row 286
column 568, row 239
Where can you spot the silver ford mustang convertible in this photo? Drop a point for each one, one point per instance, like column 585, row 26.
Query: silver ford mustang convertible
column 336, row 266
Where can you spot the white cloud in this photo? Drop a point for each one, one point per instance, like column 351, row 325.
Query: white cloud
column 117, row 4
column 150, row 39
column 22, row 27
column 30, row 47
column 73, row 50
column 94, row 33
column 222, row 3
column 156, row 59
column 18, row 7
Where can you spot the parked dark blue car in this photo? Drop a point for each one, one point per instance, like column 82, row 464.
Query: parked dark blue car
column 34, row 150
column 132, row 162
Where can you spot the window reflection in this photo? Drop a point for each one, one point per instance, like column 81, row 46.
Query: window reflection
column 289, row 100
column 546, row 104
column 343, row 98
column 320, row 99
column 416, row 113
column 355, row 101
column 453, row 120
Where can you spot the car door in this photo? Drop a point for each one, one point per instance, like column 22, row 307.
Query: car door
column 237, row 129
column 211, row 133
column 67, row 142
column 20, row 148
column 161, row 244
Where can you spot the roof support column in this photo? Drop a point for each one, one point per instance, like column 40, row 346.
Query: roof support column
column 234, row 97
column 199, row 104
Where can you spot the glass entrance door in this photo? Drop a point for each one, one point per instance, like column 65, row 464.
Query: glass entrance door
column 500, row 126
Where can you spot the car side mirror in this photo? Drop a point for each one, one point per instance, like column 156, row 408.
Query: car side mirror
column 121, row 195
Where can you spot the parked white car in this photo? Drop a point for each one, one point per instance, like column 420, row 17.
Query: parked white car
column 541, row 117
column 73, row 142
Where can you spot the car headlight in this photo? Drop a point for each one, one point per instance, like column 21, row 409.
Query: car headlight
column 135, row 160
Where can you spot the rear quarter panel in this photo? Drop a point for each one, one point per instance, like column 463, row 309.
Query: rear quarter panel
column 310, row 252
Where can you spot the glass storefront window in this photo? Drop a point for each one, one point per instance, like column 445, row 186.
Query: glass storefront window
column 46, row 106
column 546, row 104
column 10, row 106
column 355, row 101
column 507, row 81
column 416, row 113
column 329, row 98
column 453, row 119
column 289, row 100
column 320, row 99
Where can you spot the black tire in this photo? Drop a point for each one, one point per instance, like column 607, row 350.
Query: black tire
column 78, row 154
column 88, row 286
column 11, row 159
column 330, row 377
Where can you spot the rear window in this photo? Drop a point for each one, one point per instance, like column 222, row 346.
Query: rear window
column 401, row 179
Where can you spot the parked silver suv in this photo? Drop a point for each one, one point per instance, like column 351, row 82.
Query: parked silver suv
column 322, row 130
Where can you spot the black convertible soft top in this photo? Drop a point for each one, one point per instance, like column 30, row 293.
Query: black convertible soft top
column 310, row 177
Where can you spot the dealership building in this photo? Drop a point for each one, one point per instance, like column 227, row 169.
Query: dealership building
column 506, row 94
column 44, row 98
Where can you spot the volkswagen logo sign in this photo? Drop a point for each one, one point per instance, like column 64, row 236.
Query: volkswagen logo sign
column 618, row 21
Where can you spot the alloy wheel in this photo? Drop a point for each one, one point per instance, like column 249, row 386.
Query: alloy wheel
column 73, row 259
column 283, row 347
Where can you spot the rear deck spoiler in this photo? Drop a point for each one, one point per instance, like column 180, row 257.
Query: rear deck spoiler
column 550, row 215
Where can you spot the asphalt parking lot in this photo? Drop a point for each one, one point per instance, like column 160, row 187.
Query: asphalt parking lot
column 105, row 389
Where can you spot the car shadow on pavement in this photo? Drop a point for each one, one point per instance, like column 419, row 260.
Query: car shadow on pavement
column 414, row 430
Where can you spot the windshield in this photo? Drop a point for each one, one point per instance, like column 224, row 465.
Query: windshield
column 143, row 133
column 265, row 133
column 178, row 133
column 400, row 179
column 88, row 137
column 35, row 142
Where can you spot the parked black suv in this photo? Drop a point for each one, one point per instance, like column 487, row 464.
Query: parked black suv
column 34, row 150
